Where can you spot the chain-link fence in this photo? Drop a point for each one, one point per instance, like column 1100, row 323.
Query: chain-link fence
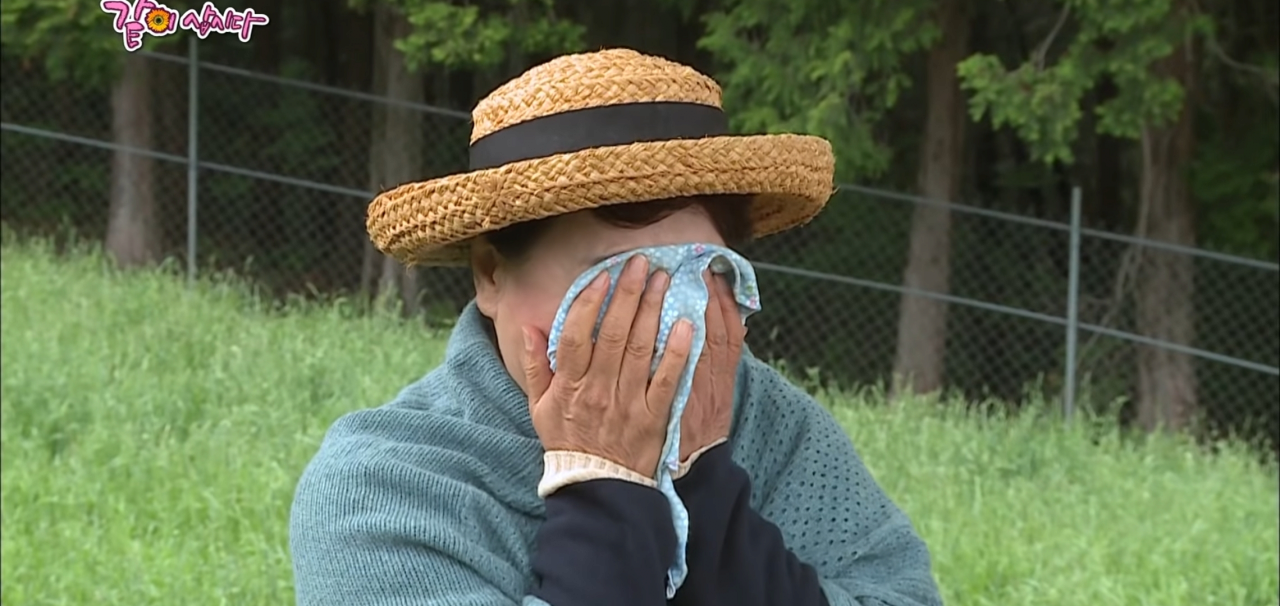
column 285, row 170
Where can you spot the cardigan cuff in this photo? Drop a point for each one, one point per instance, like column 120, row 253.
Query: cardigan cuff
column 687, row 464
column 562, row 468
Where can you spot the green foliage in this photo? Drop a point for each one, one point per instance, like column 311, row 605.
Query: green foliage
column 73, row 38
column 153, row 436
column 292, row 116
column 453, row 35
column 824, row 67
column 278, row 133
column 1110, row 39
column 1235, row 184
column 1234, row 176
column 62, row 206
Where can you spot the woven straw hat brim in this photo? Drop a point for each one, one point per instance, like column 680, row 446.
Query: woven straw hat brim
column 431, row 222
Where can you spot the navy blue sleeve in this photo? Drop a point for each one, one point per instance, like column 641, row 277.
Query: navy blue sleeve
column 736, row 556
column 604, row 542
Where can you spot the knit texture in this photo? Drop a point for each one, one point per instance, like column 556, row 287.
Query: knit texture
column 686, row 297
column 432, row 498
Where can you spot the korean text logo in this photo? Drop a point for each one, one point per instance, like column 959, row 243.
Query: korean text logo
column 136, row 18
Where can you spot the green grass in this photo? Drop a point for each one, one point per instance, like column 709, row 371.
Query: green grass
column 152, row 437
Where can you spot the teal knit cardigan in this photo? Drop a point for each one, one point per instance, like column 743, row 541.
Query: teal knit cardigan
column 431, row 499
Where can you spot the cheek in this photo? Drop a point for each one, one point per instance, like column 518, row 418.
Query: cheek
column 530, row 312
column 532, row 304
column 535, row 307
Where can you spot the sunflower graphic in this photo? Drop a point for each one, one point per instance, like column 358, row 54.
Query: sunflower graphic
column 158, row 20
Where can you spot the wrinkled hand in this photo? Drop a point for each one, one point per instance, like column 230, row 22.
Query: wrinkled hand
column 600, row 400
column 709, row 414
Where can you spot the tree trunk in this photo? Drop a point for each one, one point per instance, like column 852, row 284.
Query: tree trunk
column 266, row 40
column 318, row 40
column 353, row 123
column 401, row 147
column 922, row 322
column 369, row 268
column 133, row 237
column 647, row 29
column 1165, row 286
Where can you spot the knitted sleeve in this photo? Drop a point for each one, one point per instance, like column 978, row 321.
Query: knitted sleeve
column 394, row 510
column 809, row 481
column 367, row 529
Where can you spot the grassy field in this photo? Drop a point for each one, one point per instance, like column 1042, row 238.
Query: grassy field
column 152, row 437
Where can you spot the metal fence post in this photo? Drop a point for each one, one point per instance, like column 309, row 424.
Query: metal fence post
column 1073, row 309
column 193, row 140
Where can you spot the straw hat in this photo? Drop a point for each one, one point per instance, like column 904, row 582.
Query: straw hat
column 592, row 129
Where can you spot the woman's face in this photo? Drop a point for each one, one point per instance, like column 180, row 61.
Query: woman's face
column 528, row 293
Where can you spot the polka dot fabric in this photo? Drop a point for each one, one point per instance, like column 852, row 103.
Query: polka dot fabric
column 687, row 298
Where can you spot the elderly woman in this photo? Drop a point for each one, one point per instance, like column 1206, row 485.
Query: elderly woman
column 597, row 433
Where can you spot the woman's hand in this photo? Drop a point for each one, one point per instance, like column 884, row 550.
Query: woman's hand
column 709, row 413
column 600, row 400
